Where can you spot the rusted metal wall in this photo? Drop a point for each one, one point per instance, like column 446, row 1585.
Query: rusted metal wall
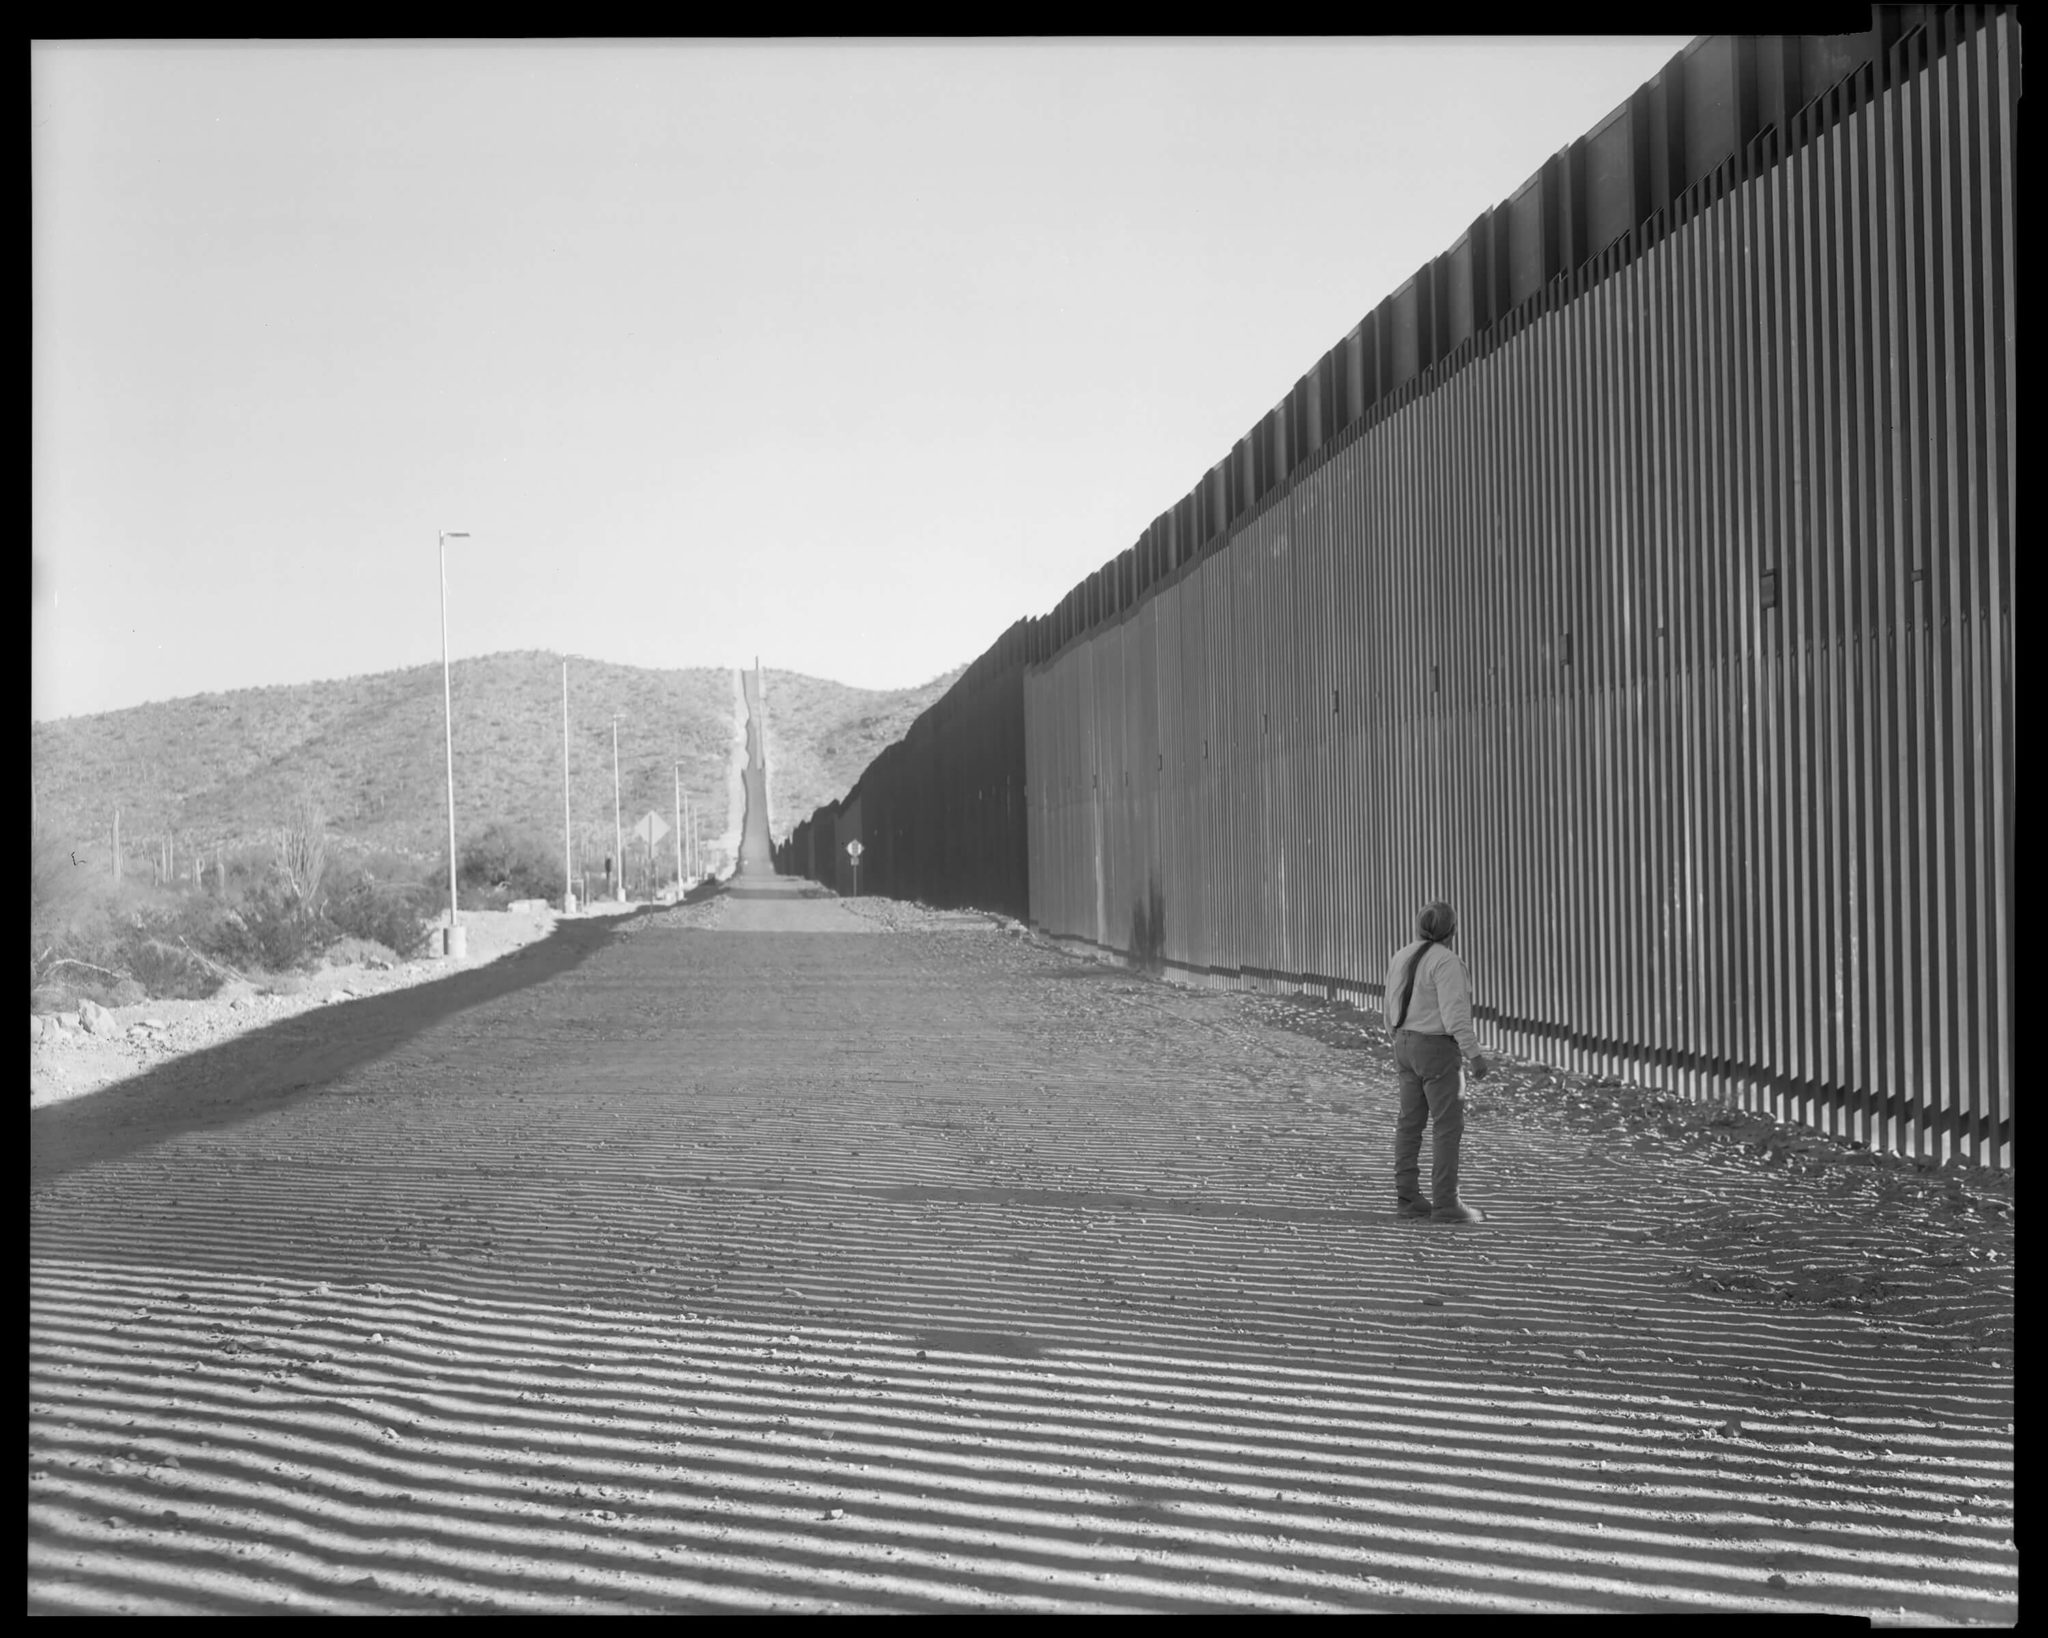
column 1638, row 576
column 939, row 814
column 1665, row 629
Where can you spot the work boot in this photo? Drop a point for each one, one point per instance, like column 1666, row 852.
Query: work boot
column 1456, row 1212
column 1413, row 1208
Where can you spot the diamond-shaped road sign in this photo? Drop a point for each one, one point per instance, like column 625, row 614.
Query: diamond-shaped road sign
column 651, row 829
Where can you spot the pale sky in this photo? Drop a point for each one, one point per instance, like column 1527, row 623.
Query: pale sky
column 845, row 355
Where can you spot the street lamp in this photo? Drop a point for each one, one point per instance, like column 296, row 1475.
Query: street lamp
column 678, row 832
column 455, row 944
column 568, row 846
column 618, row 831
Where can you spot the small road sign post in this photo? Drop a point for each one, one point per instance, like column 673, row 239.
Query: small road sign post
column 853, row 852
column 651, row 828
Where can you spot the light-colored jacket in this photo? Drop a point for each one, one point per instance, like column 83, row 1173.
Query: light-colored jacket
column 1441, row 1003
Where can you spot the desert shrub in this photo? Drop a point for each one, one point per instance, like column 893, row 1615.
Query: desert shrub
column 119, row 945
column 247, row 865
column 302, row 851
column 390, row 865
column 174, row 943
column 82, row 925
column 269, row 929
column 70, row 906
column 167, row 968
column 56, row 887
column 69, row 983
column 392, row 914
column 503, row 862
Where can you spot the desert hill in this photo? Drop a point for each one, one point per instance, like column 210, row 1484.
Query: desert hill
column 224, row 768
column 822, row 736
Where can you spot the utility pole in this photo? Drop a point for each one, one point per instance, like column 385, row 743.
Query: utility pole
column 618, row 830
column 455, row 944
column 117, row 841
column 568, row 847
column 679, row 830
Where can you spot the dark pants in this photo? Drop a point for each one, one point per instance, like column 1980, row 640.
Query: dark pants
column 1430, row 1092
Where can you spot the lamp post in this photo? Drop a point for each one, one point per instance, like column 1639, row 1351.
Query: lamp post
column 618, row 831
column 454, row 943
column 678, row 830
column 568, row 847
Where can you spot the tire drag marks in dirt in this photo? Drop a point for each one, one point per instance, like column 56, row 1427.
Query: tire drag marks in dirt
column 979, row 1322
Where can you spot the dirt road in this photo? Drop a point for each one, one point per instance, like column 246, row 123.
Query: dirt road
column 689, row 1263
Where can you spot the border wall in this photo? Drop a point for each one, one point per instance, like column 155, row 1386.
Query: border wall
column 1638, row 577
column 940, row 814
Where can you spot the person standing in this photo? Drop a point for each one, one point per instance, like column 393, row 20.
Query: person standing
column 1429, row 1012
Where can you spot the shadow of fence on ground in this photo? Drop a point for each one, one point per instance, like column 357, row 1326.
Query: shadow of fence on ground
column 274, row 1065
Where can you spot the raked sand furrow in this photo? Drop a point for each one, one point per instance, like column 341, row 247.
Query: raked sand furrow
column 748, row 1270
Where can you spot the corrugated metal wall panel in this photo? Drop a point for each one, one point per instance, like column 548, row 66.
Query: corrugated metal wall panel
column 1655, row 608
column 1685, row 609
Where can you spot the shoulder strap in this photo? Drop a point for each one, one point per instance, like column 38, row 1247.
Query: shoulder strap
column 1408, row 989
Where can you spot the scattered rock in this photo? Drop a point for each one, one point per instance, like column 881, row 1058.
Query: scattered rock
column 94, row 1019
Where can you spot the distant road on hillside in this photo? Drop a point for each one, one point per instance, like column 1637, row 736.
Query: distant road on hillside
column 756, row 848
